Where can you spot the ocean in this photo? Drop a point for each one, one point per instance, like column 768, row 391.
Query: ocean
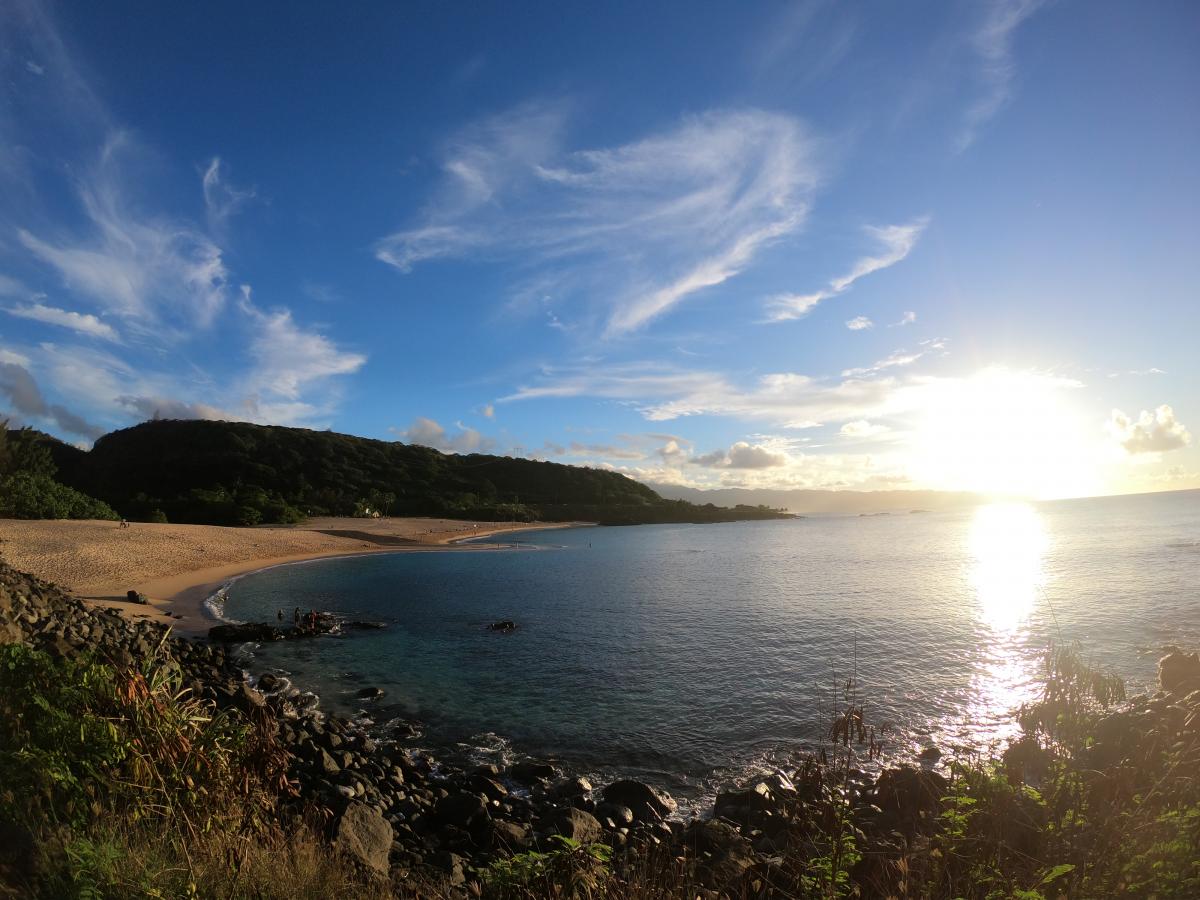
column 692, row 655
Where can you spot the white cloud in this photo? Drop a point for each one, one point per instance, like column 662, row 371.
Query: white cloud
column 663, row 393
column 992, row 43
column 636, row 228
column 82, row 323
column 861, row 428
column 429, row 433
column 899, row 358
column 1151, row 432
column 288, row 360
column 859, row 323
column 907, row 319
column 146, row 270
column 221, row 199
column 33, row 67
column 895, row 241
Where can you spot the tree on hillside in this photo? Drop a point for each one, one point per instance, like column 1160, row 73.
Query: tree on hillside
column 27, row 486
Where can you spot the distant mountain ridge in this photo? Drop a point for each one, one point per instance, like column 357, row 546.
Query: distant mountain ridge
column 818, row 502
column 236, row 473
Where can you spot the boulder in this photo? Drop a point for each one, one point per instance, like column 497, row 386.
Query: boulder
column 364, row 835
column 503, row 625
column 489, row 787
column 910, row 799
column 531, row 772
column 574, row 824
column 1179, row 672
column 570, row 788
column 725, row 856
column 268, row 682
column 509, row 835
column 135, row 597
column 647, row 804
column 619, row 816
column 461, row 810
column 369, row 693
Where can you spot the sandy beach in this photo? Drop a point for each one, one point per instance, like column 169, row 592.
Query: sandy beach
column 179, row 566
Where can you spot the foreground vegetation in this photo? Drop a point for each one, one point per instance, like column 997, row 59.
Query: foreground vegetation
column 116, row 781
column 1092, row 801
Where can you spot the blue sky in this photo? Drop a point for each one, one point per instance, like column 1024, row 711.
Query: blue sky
column 811, row 244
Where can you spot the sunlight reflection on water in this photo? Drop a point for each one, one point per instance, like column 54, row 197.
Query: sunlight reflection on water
column 1008, row 543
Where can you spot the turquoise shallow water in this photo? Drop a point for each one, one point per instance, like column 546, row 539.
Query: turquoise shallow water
column 689, row 654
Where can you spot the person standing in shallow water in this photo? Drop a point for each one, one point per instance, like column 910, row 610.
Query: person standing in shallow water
column 279, row 614
column 296, row 616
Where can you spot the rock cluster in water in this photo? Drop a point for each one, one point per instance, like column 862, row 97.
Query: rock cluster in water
column 393, row 808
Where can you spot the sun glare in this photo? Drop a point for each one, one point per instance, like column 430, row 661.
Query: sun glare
column 1007, row 543
column 1006, row 434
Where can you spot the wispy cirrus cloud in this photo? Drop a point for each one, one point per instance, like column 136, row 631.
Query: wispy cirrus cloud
column 148, row 275
column 81, row 323
column 663, row 393
column 992, row 43
column 895, row 243
column 148, row 270
column 899, row 358
column 860, row 323
column 221, row 199
column 633, row 229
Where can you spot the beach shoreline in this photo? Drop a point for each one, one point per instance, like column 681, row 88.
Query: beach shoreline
column 100, row 561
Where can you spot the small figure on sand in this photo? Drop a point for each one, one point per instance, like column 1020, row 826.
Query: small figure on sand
column 296, row 616
column 279, row 614
column 124, row 523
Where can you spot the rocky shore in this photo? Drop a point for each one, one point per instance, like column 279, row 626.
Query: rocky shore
column 398, row 812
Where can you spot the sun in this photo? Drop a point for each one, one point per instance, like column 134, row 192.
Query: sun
column 1005, row 434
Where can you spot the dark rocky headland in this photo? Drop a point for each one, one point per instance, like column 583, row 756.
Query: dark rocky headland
column 1098, row 799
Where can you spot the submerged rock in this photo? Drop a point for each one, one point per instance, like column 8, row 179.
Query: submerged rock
column 248, row 631
column 503, row 625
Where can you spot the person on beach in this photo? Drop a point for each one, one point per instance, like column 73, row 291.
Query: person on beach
column 279, row 614
column 296, row 616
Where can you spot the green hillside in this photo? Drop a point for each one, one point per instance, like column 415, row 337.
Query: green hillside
column 235, row 473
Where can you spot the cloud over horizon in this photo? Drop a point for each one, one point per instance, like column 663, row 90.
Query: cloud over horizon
column 1152, row 432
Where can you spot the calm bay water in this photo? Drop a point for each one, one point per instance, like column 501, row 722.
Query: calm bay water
column 689, row 654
